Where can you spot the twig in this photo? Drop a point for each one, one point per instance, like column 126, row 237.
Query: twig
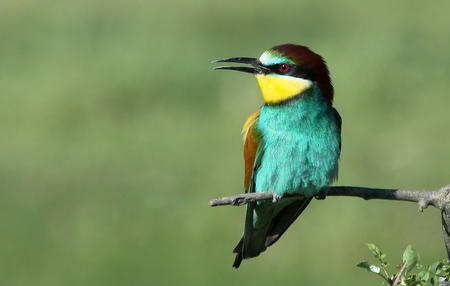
column 439, row 199
column 399, row 275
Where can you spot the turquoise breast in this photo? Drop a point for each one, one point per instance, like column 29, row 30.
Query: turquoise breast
column 300, row 145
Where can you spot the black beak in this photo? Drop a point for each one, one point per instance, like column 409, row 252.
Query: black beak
column 257, row 67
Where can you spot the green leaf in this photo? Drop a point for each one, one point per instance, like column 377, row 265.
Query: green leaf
column 372, row 247
column 435, row 266
column 410, row 257
column 367, row 266
column 411, row 280
column 420, row 275
column 426, row 277
column 364, row 265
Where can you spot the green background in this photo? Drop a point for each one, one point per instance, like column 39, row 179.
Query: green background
column 116, row 132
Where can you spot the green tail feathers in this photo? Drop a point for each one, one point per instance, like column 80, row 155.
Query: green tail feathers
column 265, row 223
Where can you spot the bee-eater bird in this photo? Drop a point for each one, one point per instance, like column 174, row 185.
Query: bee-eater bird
column 292, row 143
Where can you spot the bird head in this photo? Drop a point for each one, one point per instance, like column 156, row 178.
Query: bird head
column 285, row 71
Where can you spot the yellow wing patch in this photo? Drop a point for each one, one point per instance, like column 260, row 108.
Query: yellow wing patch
column 251, row 142
column 249, row 123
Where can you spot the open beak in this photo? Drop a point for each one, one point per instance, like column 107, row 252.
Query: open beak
column 256, row 66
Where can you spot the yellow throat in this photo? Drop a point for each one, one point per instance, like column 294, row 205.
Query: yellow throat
column 277, row 88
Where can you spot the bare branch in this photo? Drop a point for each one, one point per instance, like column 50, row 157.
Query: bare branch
column 439, row 199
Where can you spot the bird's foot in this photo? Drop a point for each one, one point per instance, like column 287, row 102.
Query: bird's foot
column 321, row 195
column 275, row 198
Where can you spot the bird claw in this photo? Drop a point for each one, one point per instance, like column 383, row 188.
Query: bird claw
column 321, row 195
column 275, row 198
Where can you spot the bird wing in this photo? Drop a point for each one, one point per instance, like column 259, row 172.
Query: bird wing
column 251, row 143
column 252, row 137
column 339, row 124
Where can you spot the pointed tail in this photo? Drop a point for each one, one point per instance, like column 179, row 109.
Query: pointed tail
column 265, row 223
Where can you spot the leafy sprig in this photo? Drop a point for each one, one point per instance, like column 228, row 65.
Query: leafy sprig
column 409, row 272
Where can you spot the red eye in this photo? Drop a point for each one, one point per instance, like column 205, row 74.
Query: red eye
column 284, row 67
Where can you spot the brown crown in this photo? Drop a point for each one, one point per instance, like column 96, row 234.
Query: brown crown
column 302, row 55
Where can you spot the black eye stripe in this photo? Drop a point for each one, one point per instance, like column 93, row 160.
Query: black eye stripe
column 300, row 71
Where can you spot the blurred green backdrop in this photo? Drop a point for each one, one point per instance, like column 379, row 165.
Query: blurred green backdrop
column 116, row 132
